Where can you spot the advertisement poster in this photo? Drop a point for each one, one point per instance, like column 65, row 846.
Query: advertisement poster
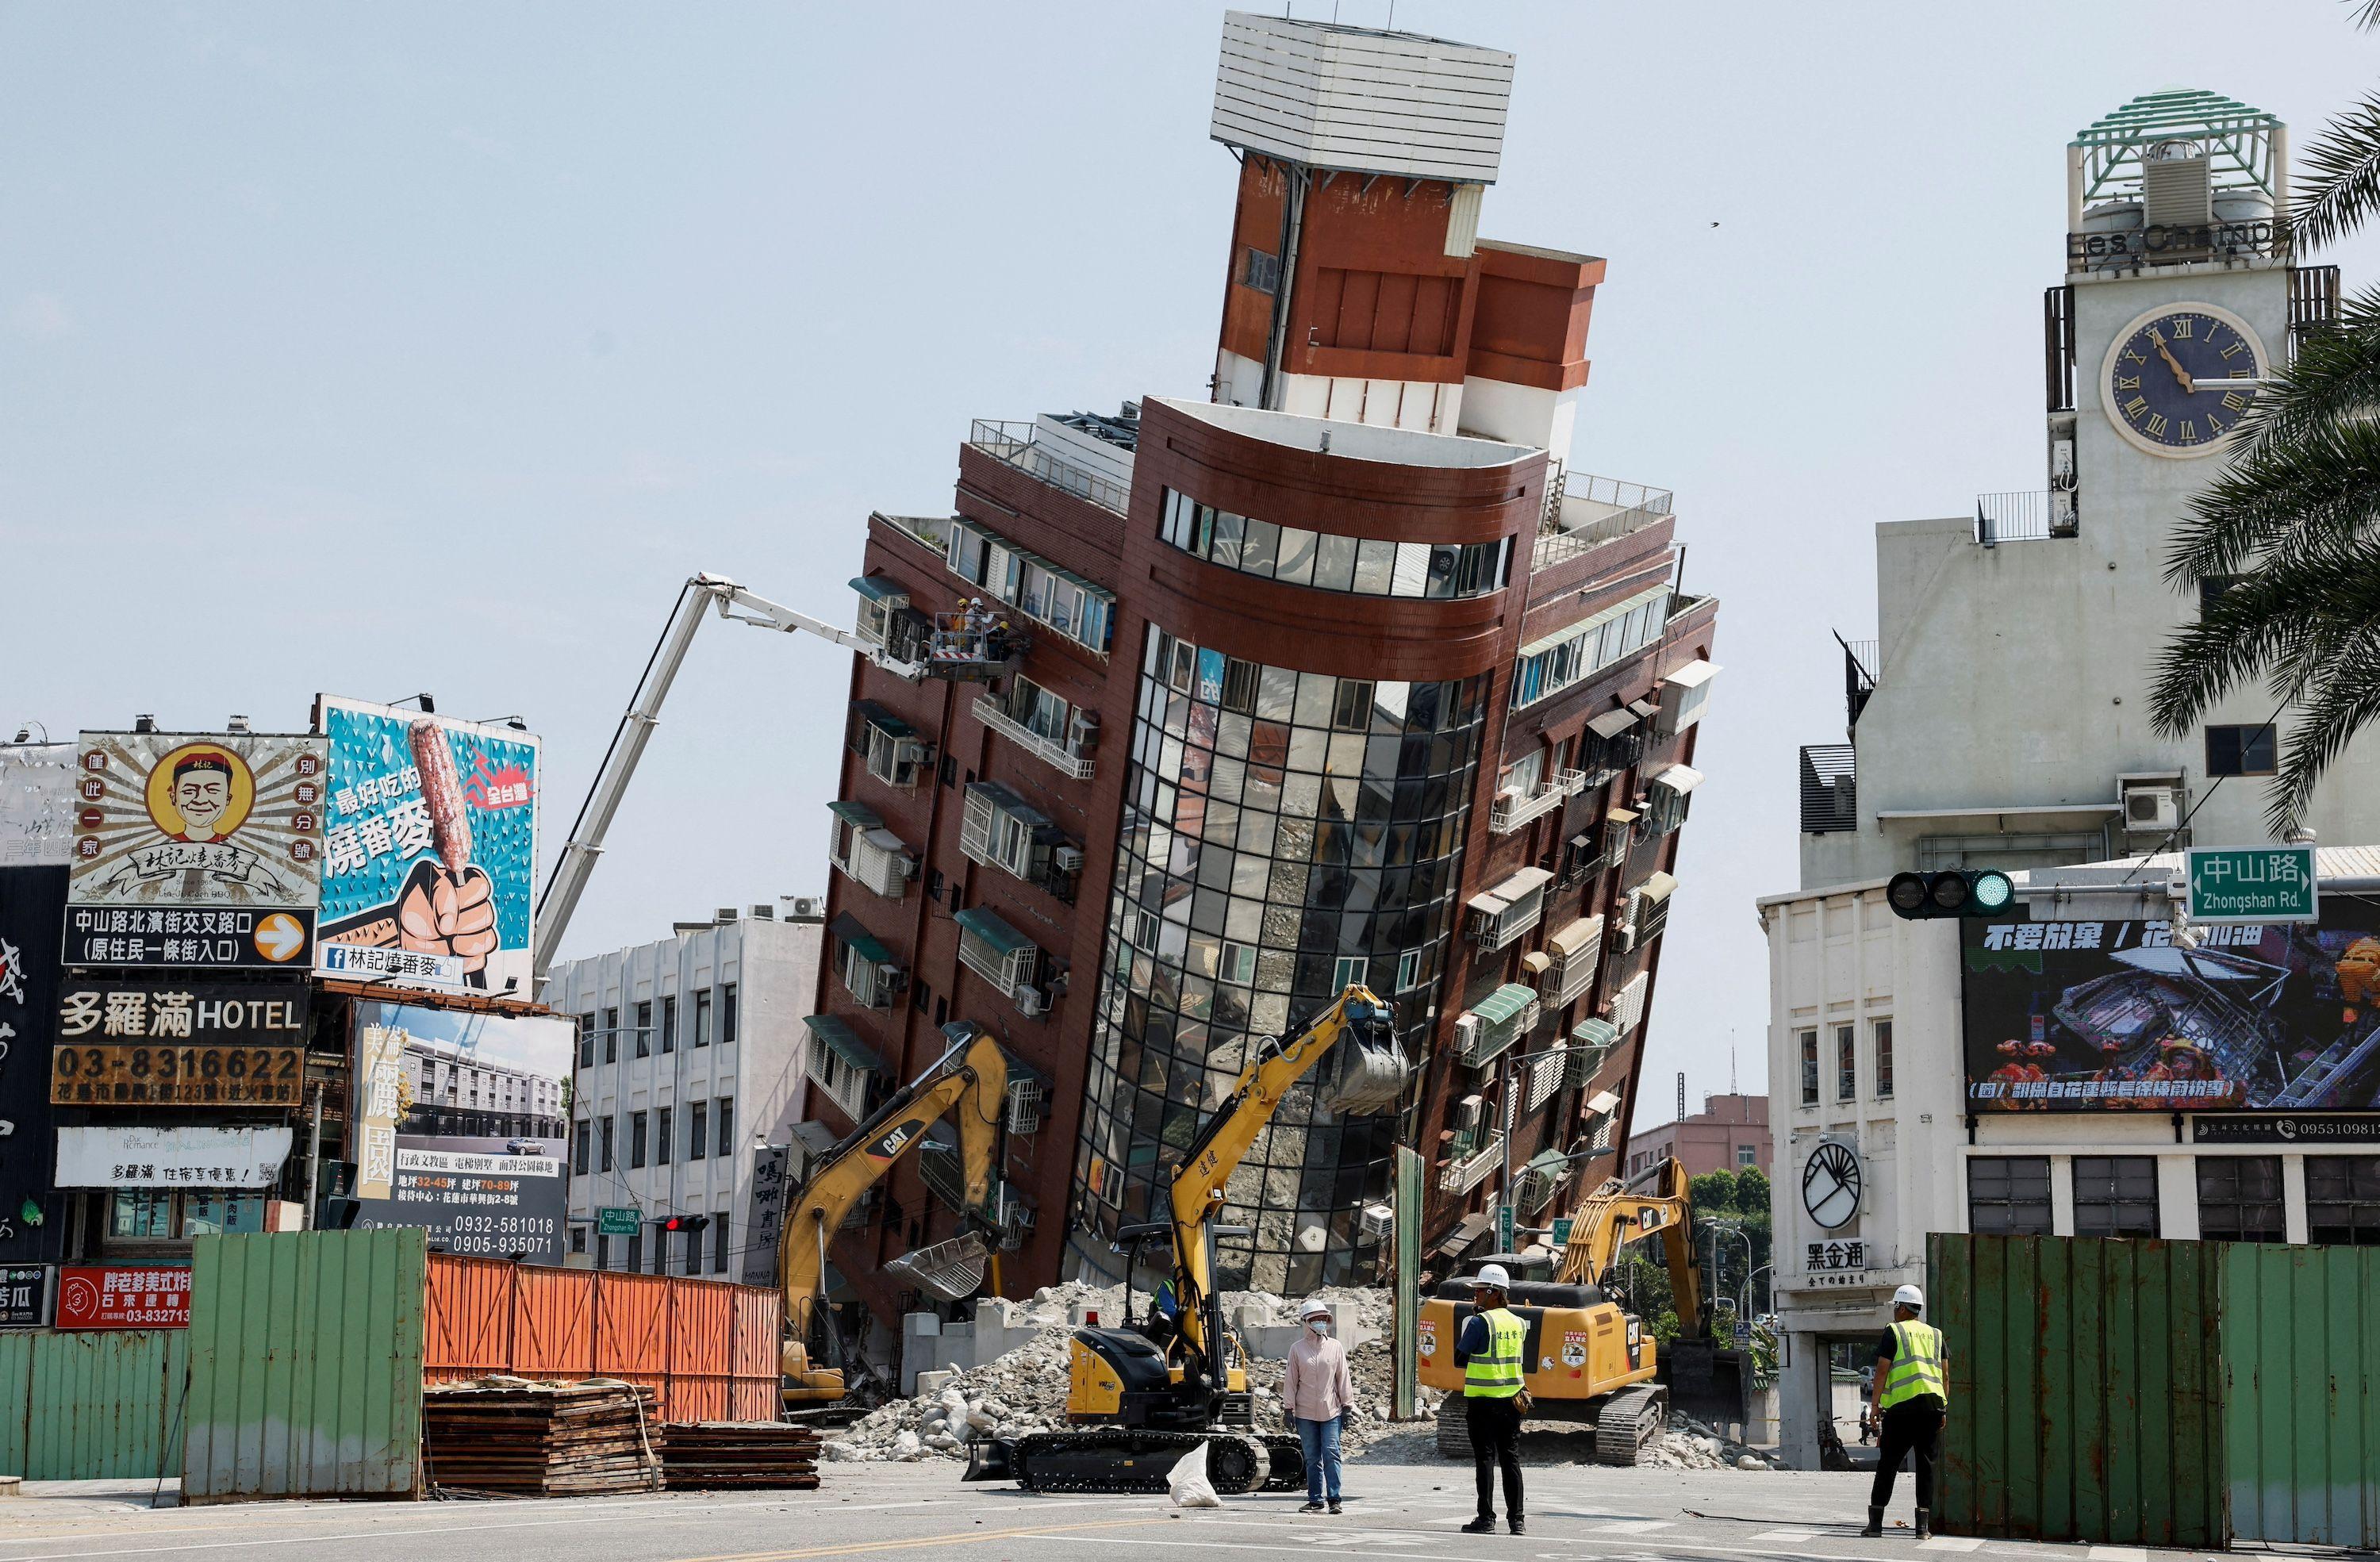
column 36, row 805
column 195, row 849
column 32, row 903
column 148, row 1044
column 124, row 1296
column 430, row 853
column 2115, row 1016
column 24, row 1296
column 188, row 1156
column 461, row 1125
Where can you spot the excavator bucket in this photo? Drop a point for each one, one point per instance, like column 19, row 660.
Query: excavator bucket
column 1369, row 1068
column 951, row 1271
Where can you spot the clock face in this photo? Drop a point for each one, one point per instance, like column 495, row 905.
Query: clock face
column 1830, row 1185
column 2165, row 382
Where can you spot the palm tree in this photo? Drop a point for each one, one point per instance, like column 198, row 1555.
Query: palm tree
column 2289, row 534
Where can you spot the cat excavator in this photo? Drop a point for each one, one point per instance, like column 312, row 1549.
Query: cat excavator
column 970, row 1084
column 1141, row 1395
column 1587, row 1358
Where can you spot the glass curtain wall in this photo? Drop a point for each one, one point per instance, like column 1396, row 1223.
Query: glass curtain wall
column 1282, row 832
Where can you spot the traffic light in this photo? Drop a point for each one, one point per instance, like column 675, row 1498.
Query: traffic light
column 685, row 1223
column 1957, row 891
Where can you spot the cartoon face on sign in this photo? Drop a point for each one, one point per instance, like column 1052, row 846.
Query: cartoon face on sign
column 200, row 792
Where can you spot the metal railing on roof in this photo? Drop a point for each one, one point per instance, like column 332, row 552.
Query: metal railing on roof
column 1861, row 663
column 1585, row 511
column 2030, row 515
column 1015, row 444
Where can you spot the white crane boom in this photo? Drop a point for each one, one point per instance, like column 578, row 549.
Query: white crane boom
column 586, row 844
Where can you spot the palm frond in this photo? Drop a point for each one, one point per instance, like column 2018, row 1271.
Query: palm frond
column 2336, row 374
column 2341, row 169
column 2346, row 703
column 2319, row 488
column 2367, row 14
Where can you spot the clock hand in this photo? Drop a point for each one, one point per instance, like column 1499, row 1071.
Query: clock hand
column 2188, row 387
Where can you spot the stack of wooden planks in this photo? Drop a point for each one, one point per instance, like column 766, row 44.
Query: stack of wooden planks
column 511, row 1436
column 712, row 1454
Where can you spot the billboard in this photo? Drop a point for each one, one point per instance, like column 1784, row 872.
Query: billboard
column 151, row 1044
column 430, row 853
column 461, row 1123
column 124, row 1296
column 195, row 849
column 32, row 903
column 36, row 805
column 2115, row 1016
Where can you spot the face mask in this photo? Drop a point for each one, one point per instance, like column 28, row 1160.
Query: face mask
column 1319, row 1326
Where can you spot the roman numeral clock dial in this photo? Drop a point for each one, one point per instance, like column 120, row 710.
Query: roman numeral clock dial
column 2170, row 382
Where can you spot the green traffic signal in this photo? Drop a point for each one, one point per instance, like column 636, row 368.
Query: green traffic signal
column 1950, row 892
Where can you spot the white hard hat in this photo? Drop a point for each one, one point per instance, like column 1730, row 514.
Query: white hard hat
column 1908, row 1296
column 1317, row 1308
column 1491, row 1276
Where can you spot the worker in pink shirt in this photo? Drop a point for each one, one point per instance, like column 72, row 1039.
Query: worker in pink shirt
column 1316, row 1395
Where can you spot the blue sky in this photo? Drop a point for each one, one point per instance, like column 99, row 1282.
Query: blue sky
column 430, row 348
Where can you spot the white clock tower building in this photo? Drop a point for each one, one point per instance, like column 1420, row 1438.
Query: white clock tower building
column 2001, row 719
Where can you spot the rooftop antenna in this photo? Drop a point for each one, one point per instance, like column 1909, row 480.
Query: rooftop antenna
column 1730, row 1068
column 1681, row 1094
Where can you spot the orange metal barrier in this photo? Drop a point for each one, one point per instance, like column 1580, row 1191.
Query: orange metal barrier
column 708, row 1348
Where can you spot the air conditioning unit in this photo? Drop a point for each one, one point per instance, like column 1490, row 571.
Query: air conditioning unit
column 805, row 908
column 2151, row 808
column 1467, row 1112
column 890, row 979
column 1466, row 1032
column 1030, row 1002
column 1624, row 938
column 1376, row 1222
column 1069, row 859
column 914, row 751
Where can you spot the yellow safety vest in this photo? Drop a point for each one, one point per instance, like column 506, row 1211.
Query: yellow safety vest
column 1496, row 1374
column 1916, row 1365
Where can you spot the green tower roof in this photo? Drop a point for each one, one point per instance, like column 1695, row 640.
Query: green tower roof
column 2239, row 140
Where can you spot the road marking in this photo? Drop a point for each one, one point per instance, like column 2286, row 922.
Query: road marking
column 914, row 1543
column 1789, row 1537
column 400, row 1531
column 1951, row 1542
column 1634, row 1527
column 2119, row 1553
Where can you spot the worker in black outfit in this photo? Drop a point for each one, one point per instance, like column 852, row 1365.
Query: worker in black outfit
column 1489, row 1351
column 1913, row 1390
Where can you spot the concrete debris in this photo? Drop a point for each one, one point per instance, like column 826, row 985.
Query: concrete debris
column 1025, row 1391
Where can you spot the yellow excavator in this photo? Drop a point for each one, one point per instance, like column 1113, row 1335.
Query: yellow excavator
column 970, row 1084
column 1587, row 1358
column 1142, row 1394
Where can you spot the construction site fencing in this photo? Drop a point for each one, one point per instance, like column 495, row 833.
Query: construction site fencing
column 2185, row 1394
column 709, row 1348
column 91, row 1406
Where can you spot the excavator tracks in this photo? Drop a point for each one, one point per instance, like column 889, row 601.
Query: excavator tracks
column 1629, row 1420
column 1120, row 1459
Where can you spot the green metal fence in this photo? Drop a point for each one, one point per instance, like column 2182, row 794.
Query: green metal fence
column 2086, row 1389
column 91, row 1406
column 306, row 1354
column 2300, row 1353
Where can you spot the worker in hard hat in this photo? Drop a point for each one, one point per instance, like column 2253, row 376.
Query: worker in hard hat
column 1316, row 1390
column 1490, row 1350
column 1913, row 1390
column 2359, row 976
column 2181, row 1060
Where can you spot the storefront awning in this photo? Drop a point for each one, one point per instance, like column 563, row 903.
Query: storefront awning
column 1582, row 934
column 1537, row 963
column 1680, row 779
column 1693, row 675
column 1611, row 724
column 1644, row 708
column 1467, row 1230
column 1506, row 1001
column 1592, row 1032
column 816, row 1138
column 879, row 588
column 877, row 716
column 983, row 923
column 1657, row 887
column 844, row 1042
column 858, row 814
column 1601, row 1102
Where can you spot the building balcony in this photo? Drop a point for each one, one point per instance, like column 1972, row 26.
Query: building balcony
column 1015, row 444
column 1511, row 813
column 2035, row 516
column 1050, row 751
column 1584, row 512
column 1503, row 1017
column 1511, row 908
column 1468, row 1171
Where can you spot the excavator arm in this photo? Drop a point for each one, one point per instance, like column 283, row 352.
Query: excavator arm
column 970, row 1083
column 1654, row 1202
column 1359, row 1017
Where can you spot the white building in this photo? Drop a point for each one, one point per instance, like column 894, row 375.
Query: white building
column 689, row 1059
column 2001, row 719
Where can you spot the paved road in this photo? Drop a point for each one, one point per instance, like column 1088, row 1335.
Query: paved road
column 1399, row 1513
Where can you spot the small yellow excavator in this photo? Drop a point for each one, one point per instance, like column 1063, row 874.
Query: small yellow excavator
column 970, row 1083
column 1585, row 1358
column 1142, row 1394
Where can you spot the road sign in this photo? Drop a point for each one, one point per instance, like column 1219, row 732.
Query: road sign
column 1562, row 1230
column 1744, row 1331
column 2252, row 884
column 611, row 1221
column 1504, row 1228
